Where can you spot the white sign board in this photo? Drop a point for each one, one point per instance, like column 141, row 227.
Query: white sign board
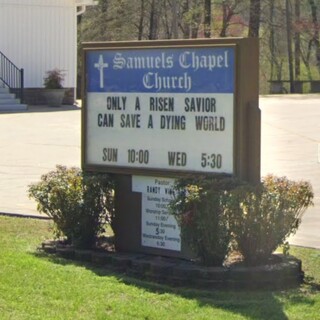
column 159, row 229
column 166, row 109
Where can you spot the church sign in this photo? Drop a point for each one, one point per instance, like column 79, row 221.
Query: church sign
column 171, row 108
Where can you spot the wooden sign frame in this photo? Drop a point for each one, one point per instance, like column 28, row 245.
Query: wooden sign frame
column 246, row 117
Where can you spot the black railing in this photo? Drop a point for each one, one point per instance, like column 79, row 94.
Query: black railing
column 11, row 76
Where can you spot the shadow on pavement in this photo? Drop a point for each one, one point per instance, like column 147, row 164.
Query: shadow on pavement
column 38, row 109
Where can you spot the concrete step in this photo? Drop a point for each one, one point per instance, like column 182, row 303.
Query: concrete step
column 9, row 101
column 4, row 90
column 6, row 95
column 13, row 107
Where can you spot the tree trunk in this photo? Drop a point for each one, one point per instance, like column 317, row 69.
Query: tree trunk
column 141, row 20
column 226, row 16
column 297, row 49
column 306, row 60
column 254, row 20
column 316, row 40
column 207, row 18
column 223, row 31
column 289, row 44
column 153, row 26
column 185, row 26
column 196, row 18
column 175, row 19
column 271, row 40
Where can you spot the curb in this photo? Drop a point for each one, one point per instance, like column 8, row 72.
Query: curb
column 26, row 216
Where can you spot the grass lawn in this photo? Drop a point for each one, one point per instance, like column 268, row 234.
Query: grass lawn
column 38, row 286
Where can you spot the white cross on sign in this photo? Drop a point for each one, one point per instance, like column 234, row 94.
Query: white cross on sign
column 100, row 65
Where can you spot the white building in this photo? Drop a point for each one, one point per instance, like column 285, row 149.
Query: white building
column 40, row 35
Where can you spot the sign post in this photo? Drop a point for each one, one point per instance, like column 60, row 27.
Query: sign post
column 157, row 110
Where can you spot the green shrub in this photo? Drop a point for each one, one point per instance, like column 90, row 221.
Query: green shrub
column 198, row 209
column 79, row 203
column 262, row 217
column 219, row 215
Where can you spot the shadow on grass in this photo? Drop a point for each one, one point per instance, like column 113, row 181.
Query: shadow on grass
column 312, row 284
column 252, row 304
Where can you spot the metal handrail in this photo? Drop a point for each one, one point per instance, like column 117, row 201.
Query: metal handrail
column 11, row 76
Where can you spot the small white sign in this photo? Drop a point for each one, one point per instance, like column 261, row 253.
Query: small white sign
column 159, row 229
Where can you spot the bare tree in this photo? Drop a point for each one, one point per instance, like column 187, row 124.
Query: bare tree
column 207, row 18
column 175, row 21
column 185, row 25
column 229, row 10
column 153, row 21
column 141, row 19
column 272, row 40
column 316, row 26
column 192, row 17
column 227, row 13
column 254, row 20
column 289, row 43
column 297, row 42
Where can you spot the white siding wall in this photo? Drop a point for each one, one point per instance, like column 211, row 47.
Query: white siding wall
column 39, row 35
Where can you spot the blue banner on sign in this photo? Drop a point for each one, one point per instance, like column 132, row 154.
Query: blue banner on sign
column 176, row 70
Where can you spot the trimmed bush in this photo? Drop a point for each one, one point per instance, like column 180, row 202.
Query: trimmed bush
column 198, row 209
column 262, row 217
column 219, row 215
column 80, row 204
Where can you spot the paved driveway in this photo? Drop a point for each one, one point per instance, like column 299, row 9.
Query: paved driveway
column 290, row 147
column 32, row 143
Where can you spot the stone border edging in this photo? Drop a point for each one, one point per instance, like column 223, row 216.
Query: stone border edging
column 286, row 273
